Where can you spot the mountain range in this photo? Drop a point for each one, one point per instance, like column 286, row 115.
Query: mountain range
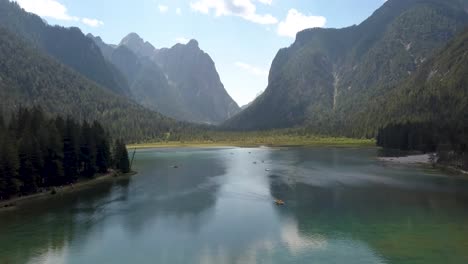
column 180, row 82
column 328, row 78
column 65, row 73
column 406, row 63
column 195, row 94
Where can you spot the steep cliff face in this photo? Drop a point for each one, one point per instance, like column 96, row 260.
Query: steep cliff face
column 193, row 73
column 180, row 82
column 135, row 43
column 328, row 75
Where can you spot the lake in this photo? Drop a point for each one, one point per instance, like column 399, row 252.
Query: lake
column 342, row 205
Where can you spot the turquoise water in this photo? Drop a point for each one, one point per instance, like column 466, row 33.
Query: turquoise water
column 342, row 206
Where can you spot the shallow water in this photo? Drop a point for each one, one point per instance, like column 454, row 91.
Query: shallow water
column 342, row 206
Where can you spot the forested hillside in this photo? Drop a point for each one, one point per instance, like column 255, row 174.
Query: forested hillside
column 429, row 111
column 328, row 76
column 30, row 78
column 68, row 45
column 37, row 152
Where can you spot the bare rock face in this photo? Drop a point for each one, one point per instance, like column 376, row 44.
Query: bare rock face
column 136, row 44
column 193, row 73
column 180, row 82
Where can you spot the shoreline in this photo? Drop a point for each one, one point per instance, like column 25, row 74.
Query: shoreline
column 208, row 144
column 409, row 159
column 15, row 202
column 422, row 159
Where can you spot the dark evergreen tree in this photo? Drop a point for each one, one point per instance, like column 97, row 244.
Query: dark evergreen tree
column 30, row 163
column 53, row 161
column 103, row 155
column 121, row 161
column 2, row 124
column 87, row 157
column 70, row 150
column 9, row 165
column 48, row 152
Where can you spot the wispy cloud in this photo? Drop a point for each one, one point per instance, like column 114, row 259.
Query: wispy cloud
column 245, row 9
column 163, row 8
column 178, row 11
column 252, row 69
column 92, row 22
column 54, row 9
column 266, row 2
column 182, row 40
column 296, row 21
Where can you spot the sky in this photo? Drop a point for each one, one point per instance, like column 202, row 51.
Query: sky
column 241, row 36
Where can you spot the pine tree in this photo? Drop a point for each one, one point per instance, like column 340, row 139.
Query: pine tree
column 70, row 150
column 87, row 157
column 30, row 163
column 53, row 164
column 103, row 156
column 121, row 161
column 9, row 165
column 2, row 124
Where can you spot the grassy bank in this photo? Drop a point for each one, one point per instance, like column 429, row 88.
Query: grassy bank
column 255, row 139
column 53, row 192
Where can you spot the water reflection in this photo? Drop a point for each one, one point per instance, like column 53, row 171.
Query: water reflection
column 342, row 206
column 49, row 225
column 399, row 223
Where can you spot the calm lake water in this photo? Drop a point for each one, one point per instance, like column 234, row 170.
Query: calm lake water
column 342, row 206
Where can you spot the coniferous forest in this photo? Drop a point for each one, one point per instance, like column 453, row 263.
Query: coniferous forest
column 38, row 152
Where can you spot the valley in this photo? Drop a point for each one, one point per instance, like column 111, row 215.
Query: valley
column 125, row 147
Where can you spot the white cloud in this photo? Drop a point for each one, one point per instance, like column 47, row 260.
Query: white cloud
column 163, row 8
column 56, row 10
column 92, row 22
column 241, row 8
column 266, row 2
column 178, row 11
column 47, row 8
column 295, row 22
column 252, row 69
column 182, row 40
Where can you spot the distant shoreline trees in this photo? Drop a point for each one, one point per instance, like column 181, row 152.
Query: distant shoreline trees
column 37, row 152
column 448, row 139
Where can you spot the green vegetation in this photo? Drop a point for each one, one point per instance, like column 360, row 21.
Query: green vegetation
column 121, row 161
column 429, row 111
column 29, row 78
column 67, row 45
column 37, row 152
column 390, row 77
column 287, row 137
column 329, row 76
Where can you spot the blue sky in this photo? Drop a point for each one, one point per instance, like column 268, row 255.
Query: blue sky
column 241, row 36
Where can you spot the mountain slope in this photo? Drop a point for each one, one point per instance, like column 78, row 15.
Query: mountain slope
column 68, row 45
column 437, row 93
column 27, row 78
column 149, row 85
column 181, row 82
column 142, row 48
column 194, row 74
column 328, row 75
